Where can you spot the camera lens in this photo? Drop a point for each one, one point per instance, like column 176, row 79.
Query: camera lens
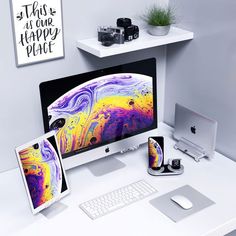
column 123, row 22
column 107, row 40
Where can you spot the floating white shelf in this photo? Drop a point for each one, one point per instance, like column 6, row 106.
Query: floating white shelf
column 144, row 41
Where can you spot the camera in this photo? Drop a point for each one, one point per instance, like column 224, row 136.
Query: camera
column 111, row 35
column 131, row 31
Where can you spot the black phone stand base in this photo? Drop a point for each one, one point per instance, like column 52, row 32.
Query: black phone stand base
column 166, row 170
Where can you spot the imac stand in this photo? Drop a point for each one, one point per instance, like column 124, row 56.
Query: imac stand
column 107, row 164
column 104, row 166
column 53, row 210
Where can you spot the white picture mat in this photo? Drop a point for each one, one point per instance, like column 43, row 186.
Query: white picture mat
column 18, row 28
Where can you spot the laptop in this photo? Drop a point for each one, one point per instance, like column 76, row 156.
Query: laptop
column 195, row 133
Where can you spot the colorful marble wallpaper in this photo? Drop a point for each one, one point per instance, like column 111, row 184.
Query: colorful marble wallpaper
column 156, row 156
column 43, row 172
column 101, row 110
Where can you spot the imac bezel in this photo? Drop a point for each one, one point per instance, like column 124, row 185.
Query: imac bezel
column 105, row 150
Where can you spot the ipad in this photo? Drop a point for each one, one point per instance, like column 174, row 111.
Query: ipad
column 42, row 171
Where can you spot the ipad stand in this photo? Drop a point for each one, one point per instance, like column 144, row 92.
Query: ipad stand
column 53, row 210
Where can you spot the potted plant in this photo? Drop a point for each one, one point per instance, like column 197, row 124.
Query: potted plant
column 159, row 19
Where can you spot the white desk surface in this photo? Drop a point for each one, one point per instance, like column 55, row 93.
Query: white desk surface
column 215, row 179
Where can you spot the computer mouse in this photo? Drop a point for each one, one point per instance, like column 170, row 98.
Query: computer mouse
column 182, row 201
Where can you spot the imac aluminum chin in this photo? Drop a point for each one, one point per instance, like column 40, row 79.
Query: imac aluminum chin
column 108, row 151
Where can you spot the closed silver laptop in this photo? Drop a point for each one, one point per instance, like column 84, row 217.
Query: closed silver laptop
column 196, row 134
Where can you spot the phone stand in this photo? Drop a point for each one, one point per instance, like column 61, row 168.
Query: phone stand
column 166, row 170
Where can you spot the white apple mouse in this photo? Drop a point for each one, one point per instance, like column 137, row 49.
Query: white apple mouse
column 182, row 201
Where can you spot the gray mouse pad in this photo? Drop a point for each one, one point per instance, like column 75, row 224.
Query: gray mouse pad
column 174, row 211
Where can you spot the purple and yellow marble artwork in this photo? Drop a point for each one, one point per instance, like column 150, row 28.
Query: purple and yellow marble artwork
column 101, row 110
column 155, row 154
column 42, row 171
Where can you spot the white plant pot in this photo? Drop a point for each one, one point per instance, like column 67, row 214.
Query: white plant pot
column 158, row 30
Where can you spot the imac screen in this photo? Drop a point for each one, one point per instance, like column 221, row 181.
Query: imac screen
column 101, row 110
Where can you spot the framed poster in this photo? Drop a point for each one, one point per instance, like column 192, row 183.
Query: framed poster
column 38, row 30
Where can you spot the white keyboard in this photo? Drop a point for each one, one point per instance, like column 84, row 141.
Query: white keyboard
column 116, row 199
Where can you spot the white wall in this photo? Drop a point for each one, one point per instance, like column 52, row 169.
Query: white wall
column 201, row 74
column 20, row 113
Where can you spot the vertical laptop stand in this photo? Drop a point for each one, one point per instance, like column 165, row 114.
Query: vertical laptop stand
column 193, row 150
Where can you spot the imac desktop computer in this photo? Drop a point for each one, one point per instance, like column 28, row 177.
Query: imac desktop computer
column 103, row 112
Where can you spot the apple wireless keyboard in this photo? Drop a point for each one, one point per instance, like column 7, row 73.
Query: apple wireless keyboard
column 117, row 199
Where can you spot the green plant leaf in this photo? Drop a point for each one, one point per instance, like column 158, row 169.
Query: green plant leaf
column 159, row 16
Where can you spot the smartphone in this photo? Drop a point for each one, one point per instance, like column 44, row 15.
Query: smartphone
column 156, row 152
